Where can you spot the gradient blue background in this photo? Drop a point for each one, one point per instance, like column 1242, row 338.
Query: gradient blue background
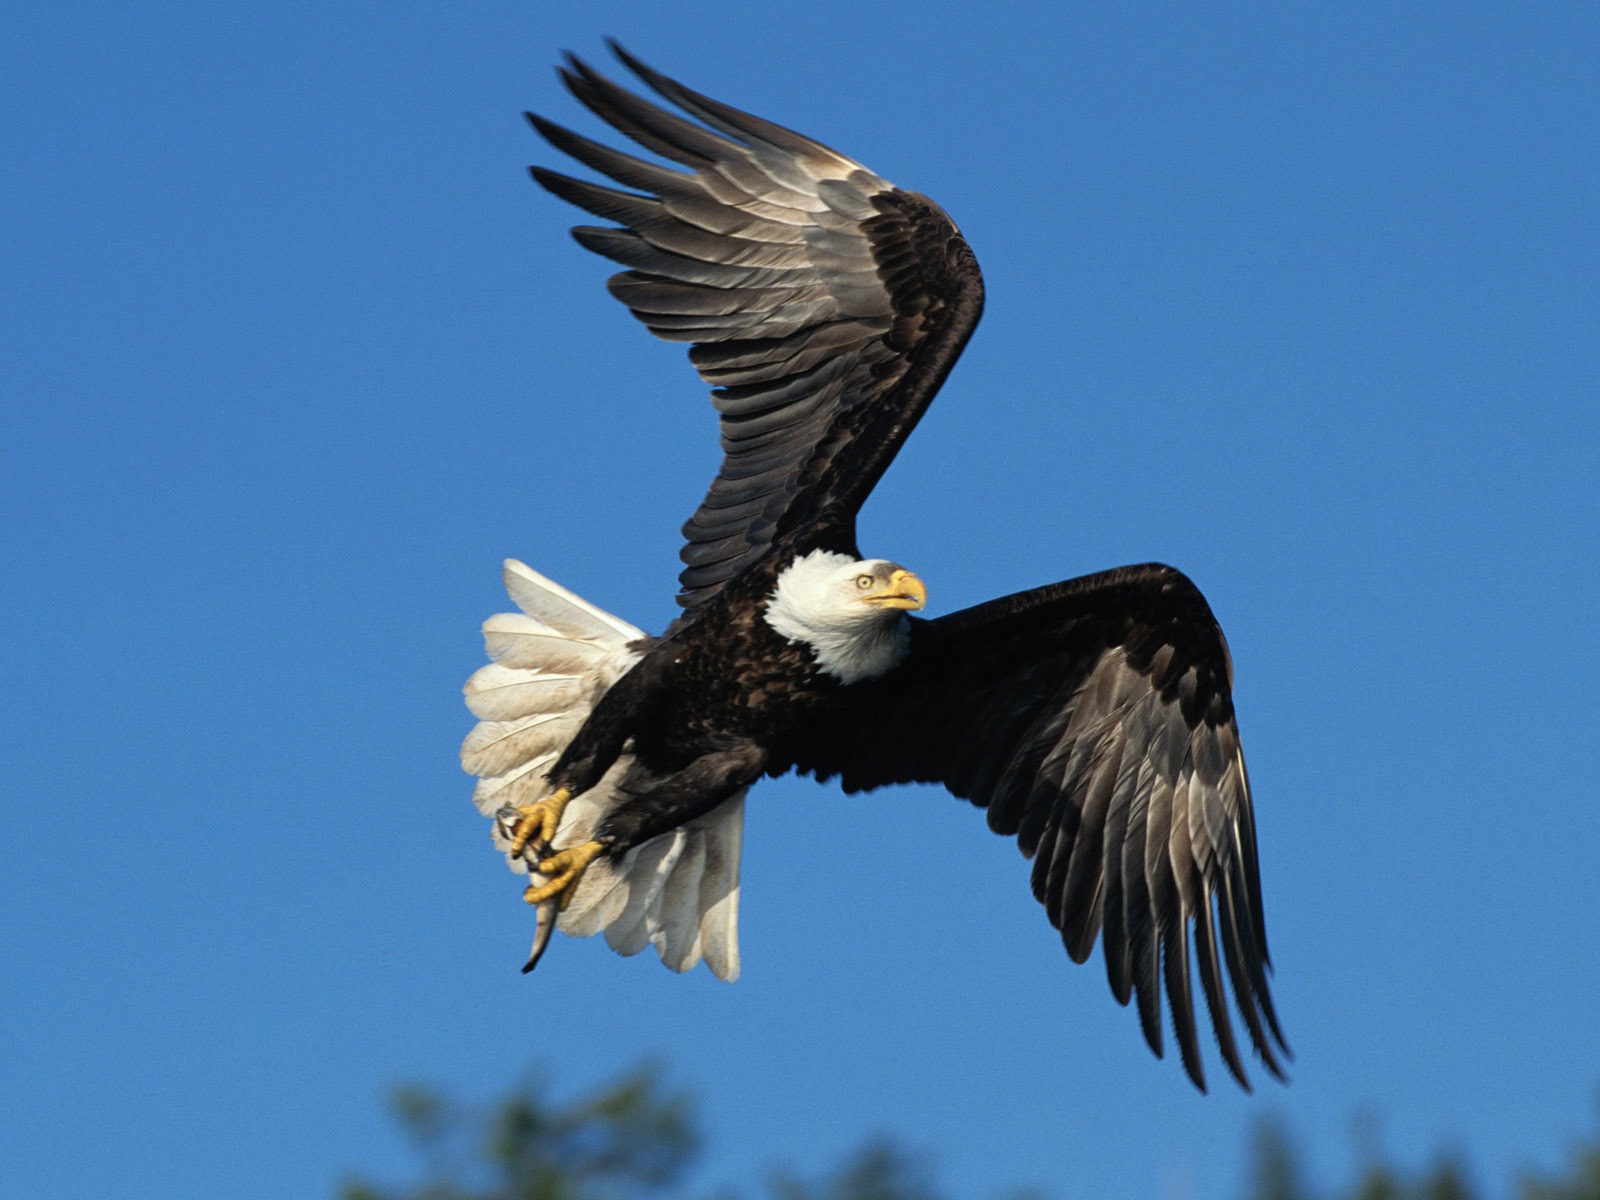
column 1305, row 301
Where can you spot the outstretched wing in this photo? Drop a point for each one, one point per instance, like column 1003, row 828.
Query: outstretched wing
column 1094, row 720
column 825, row 306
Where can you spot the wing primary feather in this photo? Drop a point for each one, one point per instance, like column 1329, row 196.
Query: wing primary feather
column 1190, row 897
column 1082, row 891
column 729, row 166
column 1210, row 966
column 611, row 203
column 1144, row 945
column 1114, row 935
column 1180, row 999
column 1238, row 975
column 731, row 121
column 653, row 127
column 1166, row 907
column 1052, row 851
column 626, row 169
column 1247, row 856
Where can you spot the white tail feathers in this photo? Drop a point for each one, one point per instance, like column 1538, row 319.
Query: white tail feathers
column 551, row 663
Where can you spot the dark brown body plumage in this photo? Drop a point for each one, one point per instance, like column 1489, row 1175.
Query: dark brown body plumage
column 709, row 709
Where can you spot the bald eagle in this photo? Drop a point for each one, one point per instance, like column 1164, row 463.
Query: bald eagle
column 1091, row 719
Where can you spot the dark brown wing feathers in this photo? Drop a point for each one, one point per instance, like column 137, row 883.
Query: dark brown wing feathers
column 1094, row 722
column 823, row 305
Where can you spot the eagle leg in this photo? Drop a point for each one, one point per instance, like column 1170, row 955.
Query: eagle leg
column 543, row 818
column 565, row 867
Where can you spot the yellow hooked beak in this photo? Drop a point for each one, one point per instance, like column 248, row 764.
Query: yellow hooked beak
column 903, row 591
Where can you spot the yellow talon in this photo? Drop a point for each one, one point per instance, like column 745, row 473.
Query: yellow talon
column 542, row 818
column 567, row 866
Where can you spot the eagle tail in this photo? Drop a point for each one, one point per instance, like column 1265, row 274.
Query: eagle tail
column 550, row 664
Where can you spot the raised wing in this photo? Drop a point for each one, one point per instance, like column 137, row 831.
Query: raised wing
column 1094, row 720
column 824, row 305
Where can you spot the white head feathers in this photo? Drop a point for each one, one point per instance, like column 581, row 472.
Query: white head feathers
column 851, row 612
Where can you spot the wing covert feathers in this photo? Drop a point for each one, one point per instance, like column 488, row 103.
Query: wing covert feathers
column 1093, row 720
column 550, row 663
column 822, row 304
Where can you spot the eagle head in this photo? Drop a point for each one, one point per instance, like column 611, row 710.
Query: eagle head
column 849, row 611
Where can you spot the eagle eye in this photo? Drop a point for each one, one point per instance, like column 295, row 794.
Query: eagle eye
column 863, row 582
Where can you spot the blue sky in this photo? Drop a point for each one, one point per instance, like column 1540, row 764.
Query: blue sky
column 1305, row 301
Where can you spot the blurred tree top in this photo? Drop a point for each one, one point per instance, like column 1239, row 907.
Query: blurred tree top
column 635, row 1140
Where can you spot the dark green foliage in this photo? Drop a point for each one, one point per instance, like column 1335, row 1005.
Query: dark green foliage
column 633, row 1140
column 878, row 1171
column 630, row 1140
column 1277, row 1174
column 1580, row 1182
column 1445, row 1180
column 1276, row 1169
